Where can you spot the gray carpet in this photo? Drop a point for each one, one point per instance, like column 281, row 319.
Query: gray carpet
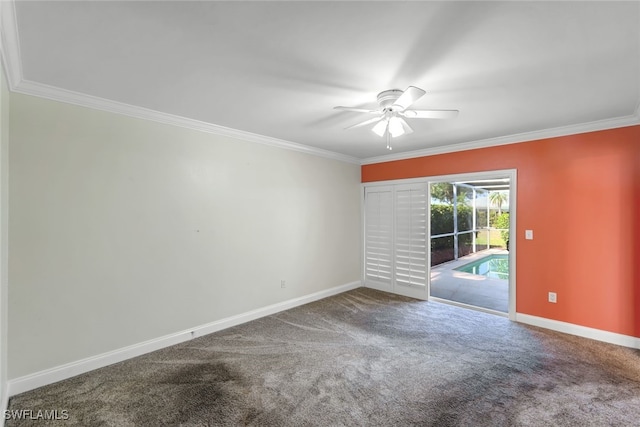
column 362, row 358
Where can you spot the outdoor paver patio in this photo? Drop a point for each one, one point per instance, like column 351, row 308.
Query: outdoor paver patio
column 472, row 289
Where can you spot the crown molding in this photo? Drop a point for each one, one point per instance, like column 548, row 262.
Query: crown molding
column 62, row 95
column 598, row 125
column 9, row 43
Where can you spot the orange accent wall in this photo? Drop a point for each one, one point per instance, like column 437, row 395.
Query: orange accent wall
column 581, row 196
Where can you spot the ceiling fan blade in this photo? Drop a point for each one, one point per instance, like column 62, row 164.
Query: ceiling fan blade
column 408, row 97
column 430, row 114
column 366, row 122
column 356, row 110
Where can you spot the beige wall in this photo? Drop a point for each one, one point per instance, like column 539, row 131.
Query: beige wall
column 124, row 230
column 4, row 221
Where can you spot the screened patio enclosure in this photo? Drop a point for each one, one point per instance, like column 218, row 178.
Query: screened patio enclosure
column 469, row 241
column 463, row 218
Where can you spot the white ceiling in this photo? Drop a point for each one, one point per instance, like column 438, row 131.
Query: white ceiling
column 278, row 68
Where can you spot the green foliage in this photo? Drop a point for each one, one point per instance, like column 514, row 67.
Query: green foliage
column 442, row 223
column 441, row 219
column 502, row 221
column 481, row 218
column 443, row 191
column 495, row 240
column 498, row 198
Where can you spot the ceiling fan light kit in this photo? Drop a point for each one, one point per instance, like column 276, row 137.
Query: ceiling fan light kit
column 380, row 128
column 393, row 109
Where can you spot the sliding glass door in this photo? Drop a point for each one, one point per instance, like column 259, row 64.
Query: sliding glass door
column 469, row 259
column 443, row 239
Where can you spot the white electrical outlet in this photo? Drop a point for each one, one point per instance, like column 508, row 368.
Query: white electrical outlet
column 283, row 284
column 528, row 234
column 553, row 297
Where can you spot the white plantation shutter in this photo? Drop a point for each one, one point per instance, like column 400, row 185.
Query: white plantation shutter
column 395, row 228
column 410, row 248
column 379, row 234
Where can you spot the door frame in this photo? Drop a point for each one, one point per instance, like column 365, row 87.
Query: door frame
column 512, row 174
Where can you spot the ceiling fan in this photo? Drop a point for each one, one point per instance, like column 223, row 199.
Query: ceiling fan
column 393, row 110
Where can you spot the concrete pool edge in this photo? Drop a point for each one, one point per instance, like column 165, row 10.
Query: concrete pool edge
column 467, row 288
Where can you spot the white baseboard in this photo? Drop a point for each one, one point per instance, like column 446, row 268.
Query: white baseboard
column 581, row 331
column 68, row 370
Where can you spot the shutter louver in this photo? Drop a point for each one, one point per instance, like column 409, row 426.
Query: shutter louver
column 379, row 234
column 410, row 259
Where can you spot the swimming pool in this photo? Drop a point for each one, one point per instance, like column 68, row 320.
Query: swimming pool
column 494, row 266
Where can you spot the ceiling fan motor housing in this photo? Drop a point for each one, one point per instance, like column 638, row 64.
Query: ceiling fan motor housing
column 388, row 97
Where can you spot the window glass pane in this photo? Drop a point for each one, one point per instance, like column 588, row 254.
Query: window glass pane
column 481, row 209
column 441, row 250
column 498, row 238
column 465, row 244
column 464, row 198
column 465, row 217
column 482, row 240
column 499, row 203
column 441, row 208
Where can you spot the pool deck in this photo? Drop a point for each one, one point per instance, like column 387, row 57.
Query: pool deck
column 472, row 289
